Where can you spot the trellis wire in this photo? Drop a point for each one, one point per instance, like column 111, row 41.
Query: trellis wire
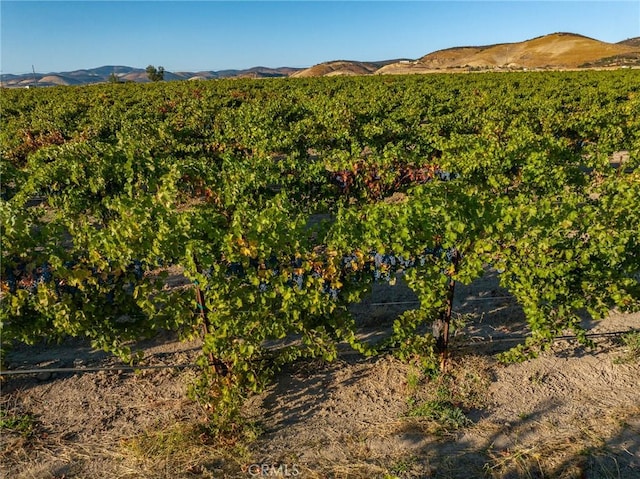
column 95, row 369
column 397, row 303
column 119, row 369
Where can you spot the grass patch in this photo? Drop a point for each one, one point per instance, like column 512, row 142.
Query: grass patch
column 404, row 465
column 23, row 424
column 564, row 460
column 191, row 449
column 444, row 413
column 517, row 462
column 444, row 401
column 593, row 451
column 631, row 345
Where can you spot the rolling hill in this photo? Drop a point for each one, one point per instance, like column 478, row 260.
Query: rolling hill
column 129, row 74
column 344, row 67
column 634, row 42
column 557, row 51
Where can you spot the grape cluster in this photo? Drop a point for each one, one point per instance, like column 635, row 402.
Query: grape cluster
column 445, row 175
column 21, row 276
column 137, row 268
column 382, row 267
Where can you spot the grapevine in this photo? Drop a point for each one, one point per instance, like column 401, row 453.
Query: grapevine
column 283, row 201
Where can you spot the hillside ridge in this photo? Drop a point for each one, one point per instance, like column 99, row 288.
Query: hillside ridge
column 555, row 51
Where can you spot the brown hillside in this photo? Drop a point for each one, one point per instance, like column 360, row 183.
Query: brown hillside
column 558, row 50
column 340, row 67
column 633, row 42
column 433, row 61
column 135, row 77
column 53, row 80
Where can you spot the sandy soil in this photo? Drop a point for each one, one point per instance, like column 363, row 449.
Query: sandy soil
column 572, row 413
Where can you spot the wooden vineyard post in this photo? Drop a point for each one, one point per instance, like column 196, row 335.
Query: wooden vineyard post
column 219, row 366
column 441, row 326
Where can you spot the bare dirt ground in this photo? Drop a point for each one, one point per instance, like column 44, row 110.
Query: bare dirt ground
column 571, row 413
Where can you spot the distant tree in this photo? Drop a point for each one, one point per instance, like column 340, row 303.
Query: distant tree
column 155, row 74
column 113, row 78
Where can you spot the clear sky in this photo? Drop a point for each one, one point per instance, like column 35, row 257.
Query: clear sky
column 215, row 35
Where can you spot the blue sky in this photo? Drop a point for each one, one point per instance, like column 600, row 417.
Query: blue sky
column 216, row 35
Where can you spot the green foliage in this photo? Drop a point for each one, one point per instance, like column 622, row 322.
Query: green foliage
column 23, row 424
column 440, row 401
column 155, row 74
column 106, row 189
column 113, row 78
column 444, row 413
column 631, row 343
column 443, row 403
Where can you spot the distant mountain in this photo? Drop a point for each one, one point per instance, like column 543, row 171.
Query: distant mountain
column 129, row 74
column 344, row 67
column 556, row 51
